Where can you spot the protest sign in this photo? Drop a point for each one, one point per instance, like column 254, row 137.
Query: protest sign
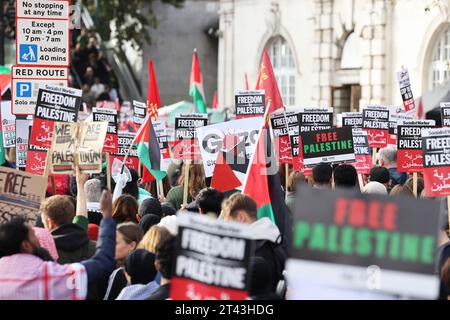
column 405, row 89
column 445, row 114
column 351, row 119
column 396, row 115
column 313, row 119
column 139, row 112
column 409, row 144
column 376, row 123
column 363, row 156
column 78, row 144
column 125, row 138
column 436, row 161
column 53, row 104
column 110, row 116
column 8, row 125
column 21, row 194
column 330, row 146
column 23, row 128
column 25, row 85
column 340, row 235
column 36, row 160
column 186, row 144
column 249, row 103
column 214, row 150
column 126, row 117
column 212, row 259
column 282, row 133
column 43, row 37
column 163, row 141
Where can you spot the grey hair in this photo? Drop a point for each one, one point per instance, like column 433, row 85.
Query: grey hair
column 388, row 154
column 93, row 190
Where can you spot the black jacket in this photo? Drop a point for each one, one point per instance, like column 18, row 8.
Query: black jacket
column 72, row 243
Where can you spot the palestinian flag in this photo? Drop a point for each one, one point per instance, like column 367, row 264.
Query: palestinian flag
column 5, row 79
column 267, row 82
column 263, row 182
column 231, row 165
column 148, row 149
column 196, row 85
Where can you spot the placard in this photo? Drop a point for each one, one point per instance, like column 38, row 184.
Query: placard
column 249, row 103
column 352, row 119
column 313, row 119
column 8, row 125
column 445, row 114
column 368, row 244
column 23, row 128
column 376, row 123
column 125, row 138
column 211, row 259
column 282, row 133
column 139, row 112
column 405, row 90
column 186, row 143
column 21, row 194
column 363, row 155
column 409, row 144
column 110, row 116
column 329, row 146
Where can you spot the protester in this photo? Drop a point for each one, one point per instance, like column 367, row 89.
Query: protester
column 260, row 281
column 46, row 241
column 153, row 237
column 148, row 221
column 241, row 208
column 195, row 184
column 164, row 261
column 345, row 176
column 322, row 174
column 125, row 209
column 150, row 206
column 374, row 187
column 140, row 272
column 387, row 157
column 295, row 178
column 128, row 235
column 381, row 175
column 27, row 272
column 209, row 202
column 132, row 188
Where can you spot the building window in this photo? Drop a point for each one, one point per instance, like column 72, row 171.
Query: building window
column 440, row 60
column 284, row 67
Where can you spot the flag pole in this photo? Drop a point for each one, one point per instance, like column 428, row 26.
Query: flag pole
column 187, row 166
column 108, row 171
column 415, row 184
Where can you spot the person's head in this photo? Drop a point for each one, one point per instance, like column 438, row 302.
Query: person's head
column 153, row 237
column 89, row 73
column 374, row 187
column 56, row 211
column 86, row 88
column 92, row 42
column 209, row 200
column 345, row 176
column 150, row 206
column 17, row 236
column 165, row 257
column 140, row 267
column 125, row 208
column 401, row 190
column 196, row 179
column 322, row 175
column 128, row 235
column 240, row 208
column 294, row 179
column 168, row 209
column 93, row 190
column 381, row 175
column 148, row 221
column 387, row 157
column 409, row 186
column 96, row 80
column 132, row 187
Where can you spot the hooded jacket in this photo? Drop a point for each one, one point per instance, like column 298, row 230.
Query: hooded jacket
column 268, row 246
column 72, row 243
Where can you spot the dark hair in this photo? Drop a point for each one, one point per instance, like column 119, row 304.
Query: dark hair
column 125, row 209
column 59, row 209
column 210, row 200
column 237, row 202
column 140, row 266
column 150, row 206
column 380, row 174
column 132, row 187
column 165, row 256
column 322, row 173
column 345, row 176
column 12, row 234
column 131, row 232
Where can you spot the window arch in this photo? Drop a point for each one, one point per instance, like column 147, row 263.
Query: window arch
column 440, row 60
column 351, row 52
column 284, row 68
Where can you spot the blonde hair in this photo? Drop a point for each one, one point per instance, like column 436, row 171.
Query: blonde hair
column 153, row 237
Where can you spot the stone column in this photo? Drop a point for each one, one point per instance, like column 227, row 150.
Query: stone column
column 324, row 53
column 226, row 60
column 373, row 71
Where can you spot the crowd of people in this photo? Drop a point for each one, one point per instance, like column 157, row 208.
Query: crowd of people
column 95, row 75
column 84, row 245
